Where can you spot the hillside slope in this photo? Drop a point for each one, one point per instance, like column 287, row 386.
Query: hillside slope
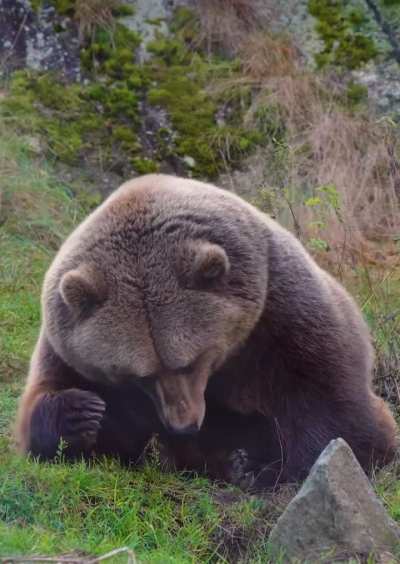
column 222, row 94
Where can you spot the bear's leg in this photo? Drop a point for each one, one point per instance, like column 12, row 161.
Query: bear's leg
column 87, row 426
column 69, row 417
column 129, row 422
column 365, row 423
column 259, row 453
column 53, row 407
column 230, row 447
column 56, row 407
column 386, row 442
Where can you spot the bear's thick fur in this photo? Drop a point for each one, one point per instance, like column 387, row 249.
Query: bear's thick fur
column 177, row 308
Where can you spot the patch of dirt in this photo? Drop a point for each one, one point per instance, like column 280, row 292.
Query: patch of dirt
column 238, row 535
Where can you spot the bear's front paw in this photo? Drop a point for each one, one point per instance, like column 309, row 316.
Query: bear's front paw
column 253, row 474
column 239, row 471
column 80, row 418
column 72, row 416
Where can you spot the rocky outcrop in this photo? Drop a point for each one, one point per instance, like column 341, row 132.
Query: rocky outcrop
column 381, row 76
column 336, row 512
column 150, row 17
column 39, row 40
column 44, row 40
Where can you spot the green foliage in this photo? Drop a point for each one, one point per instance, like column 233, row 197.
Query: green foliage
column 123, row 10
column 192, row 113
column 100, row 118
column 316, row 244
column 62, row 113
column 68, row 7
column 269, row 123
column 325, row 202
column 64, row 7
column 181, row 77
column 36, row 5
column 356, row 93
column 82, row 119
column 110, row 50
column 144, row 166
column 339, row 24
column 175, row 79
column 36, row 216
column 171, row 51
column 183, row 17
column 75, row 119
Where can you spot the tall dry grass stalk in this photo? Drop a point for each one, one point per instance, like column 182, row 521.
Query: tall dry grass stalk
column 91, row 14
column 327, row 145
column 226, row 23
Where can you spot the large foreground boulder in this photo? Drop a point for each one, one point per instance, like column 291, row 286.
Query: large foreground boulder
column 335, row 513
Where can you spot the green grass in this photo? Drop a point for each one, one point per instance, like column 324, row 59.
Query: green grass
column 35, row 215
column 52, row 509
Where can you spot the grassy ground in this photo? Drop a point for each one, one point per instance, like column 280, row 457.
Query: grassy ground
column 163, row 517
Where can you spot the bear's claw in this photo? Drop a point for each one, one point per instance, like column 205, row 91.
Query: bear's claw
column 238, row 470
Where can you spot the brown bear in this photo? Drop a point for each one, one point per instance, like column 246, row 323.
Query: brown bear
column 178, row 309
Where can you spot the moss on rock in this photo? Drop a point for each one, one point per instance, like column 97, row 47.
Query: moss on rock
column 144, row 165
column 180, row 75
column 340, row 25
column 103, row 115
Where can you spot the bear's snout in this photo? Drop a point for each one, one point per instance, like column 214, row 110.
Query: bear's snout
column 181, row 403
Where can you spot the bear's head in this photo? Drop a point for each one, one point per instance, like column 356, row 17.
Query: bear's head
column 159, row 286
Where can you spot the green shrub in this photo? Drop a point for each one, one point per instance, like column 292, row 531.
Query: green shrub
column 340, row 27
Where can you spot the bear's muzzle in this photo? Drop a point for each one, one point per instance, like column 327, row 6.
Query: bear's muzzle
column 181, row 402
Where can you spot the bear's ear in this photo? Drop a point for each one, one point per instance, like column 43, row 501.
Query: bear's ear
column 204, row 262
column 82, row 288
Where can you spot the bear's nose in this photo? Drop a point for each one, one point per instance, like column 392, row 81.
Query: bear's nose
column 191, row 429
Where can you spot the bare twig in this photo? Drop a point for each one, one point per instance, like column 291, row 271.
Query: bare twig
column 21, row 27
column 131, row 558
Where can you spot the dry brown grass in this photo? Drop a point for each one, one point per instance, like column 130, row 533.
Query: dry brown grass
column 264, row 56
column 326, row 144
column 226, row 23
column 237, row 537
column 91, row 14
column 356, row 156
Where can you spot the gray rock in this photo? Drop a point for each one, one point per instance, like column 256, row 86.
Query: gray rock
column 382, row 76
column 29, row 39
column 336, row 512
column 149, row 18
column 187, row 159
column 383, row 83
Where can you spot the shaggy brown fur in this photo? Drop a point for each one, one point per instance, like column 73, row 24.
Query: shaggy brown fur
column 176, row 308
